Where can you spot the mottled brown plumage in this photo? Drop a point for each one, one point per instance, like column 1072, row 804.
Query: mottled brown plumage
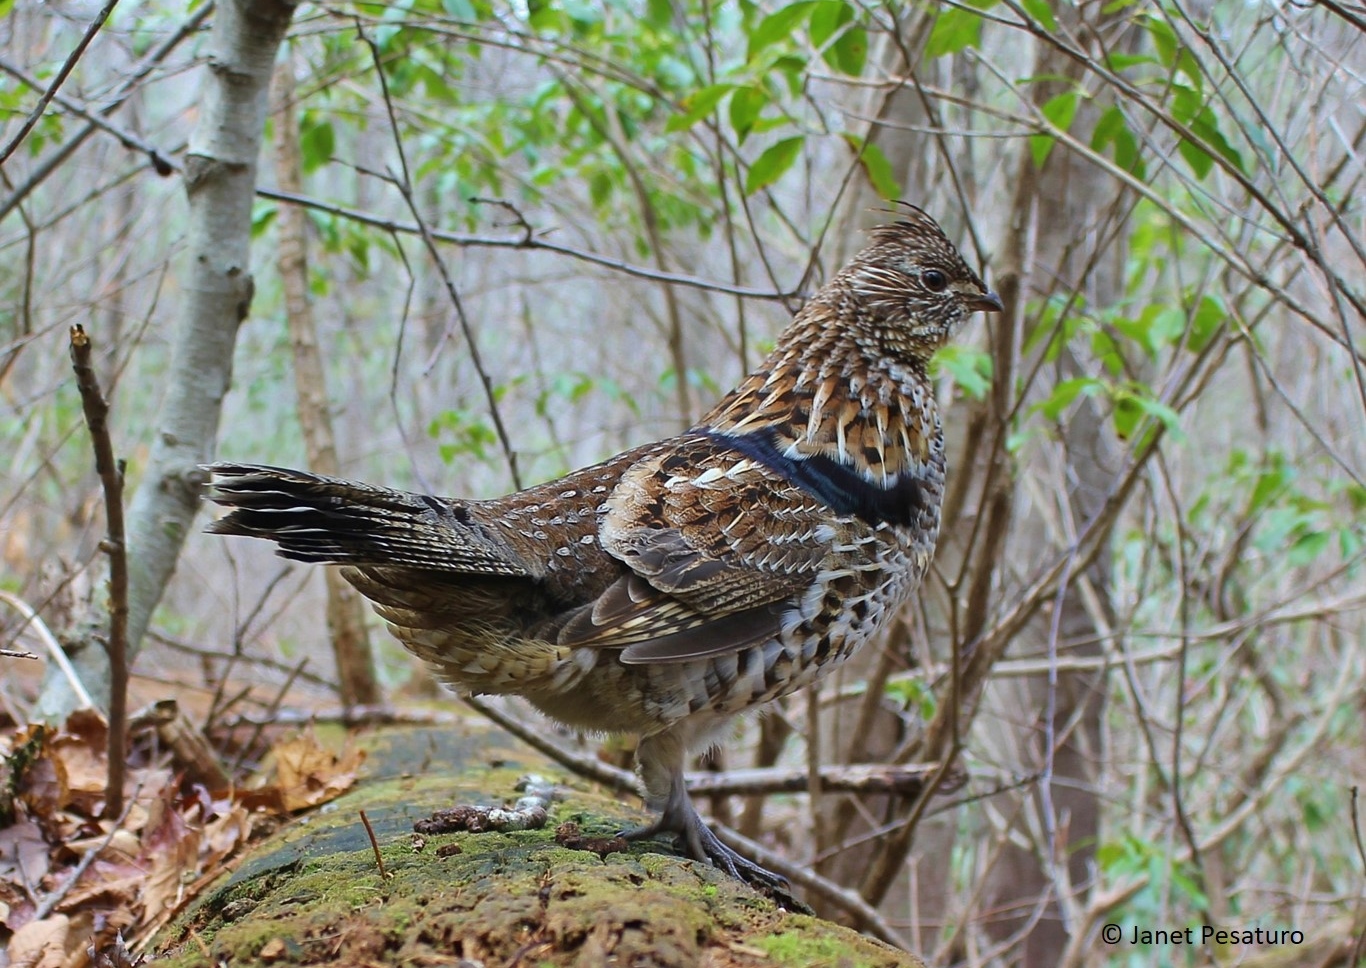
column 679, row 583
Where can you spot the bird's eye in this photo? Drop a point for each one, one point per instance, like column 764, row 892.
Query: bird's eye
column 934, row 280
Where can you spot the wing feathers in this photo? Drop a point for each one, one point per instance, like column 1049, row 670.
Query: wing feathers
column 717, row 547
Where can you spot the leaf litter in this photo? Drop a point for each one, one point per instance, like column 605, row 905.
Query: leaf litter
column 79, row 889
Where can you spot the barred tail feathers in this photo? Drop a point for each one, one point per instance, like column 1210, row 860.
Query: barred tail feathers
column 332, row 521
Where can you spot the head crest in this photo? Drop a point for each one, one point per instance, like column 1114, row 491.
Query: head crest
column 913, row 224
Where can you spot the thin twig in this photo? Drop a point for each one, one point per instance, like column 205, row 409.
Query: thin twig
column 865, row 915
column 374, row 845
column 219, row 655
column 405, row 186
column 49, row 903
column 161, row 161
column 56, row 654
column 44, row 169
column 528, row 237
column 1361, row 852
column 584, row 765
column 269, row 718
column 111, row 478
column 906, row 780
column 535, row 242
column 57, row 81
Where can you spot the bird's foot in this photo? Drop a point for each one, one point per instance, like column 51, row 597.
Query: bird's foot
column 696, row 840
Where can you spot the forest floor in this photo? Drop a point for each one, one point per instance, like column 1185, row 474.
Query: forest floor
column 313, row 859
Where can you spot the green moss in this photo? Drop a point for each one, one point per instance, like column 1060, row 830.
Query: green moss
column 810, row 945
column 314, row 894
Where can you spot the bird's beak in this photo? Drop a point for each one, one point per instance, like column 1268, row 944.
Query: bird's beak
column 987, row 302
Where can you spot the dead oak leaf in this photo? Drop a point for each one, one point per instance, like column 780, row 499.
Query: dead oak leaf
column 24, row 853
column 40, row 944
column 170, row 848
column 308, row 773
column 224, row 834
column 78, row 755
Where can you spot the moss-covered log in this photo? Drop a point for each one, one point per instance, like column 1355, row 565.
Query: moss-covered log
column 313, row 893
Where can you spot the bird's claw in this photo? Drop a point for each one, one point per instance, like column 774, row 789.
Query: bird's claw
column 695, row 839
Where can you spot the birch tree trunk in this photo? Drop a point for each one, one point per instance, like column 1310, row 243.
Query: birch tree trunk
column 220, row 182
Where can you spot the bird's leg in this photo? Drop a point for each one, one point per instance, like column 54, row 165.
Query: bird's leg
column 661, row 758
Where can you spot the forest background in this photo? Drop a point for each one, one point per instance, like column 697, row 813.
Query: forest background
column 493, row 241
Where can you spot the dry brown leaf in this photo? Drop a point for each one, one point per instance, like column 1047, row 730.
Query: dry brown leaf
column 272, row 950
column 308, row 773
column 106, row 886
column 122, row 844
column 40, row 944
column 264, row 799
column 171, row 854
column 40, row 791
column 78, row 756
column 24, row 853
column 224, row 835
column 16, row 907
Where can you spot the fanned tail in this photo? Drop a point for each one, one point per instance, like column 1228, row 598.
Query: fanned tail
column 331, row 521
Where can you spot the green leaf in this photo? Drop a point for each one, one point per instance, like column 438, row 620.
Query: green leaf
column 777, row 25
column 792, row 68
column 1017, row 439
column 1110, row 855
column 262, row 215
column 1356, row 496
column 1117, row 62
column 1132, row 407
column 913, row 694
column 1113, row 129
column 1207, row 320
column 461, row 10
column 600, row 187
column 827, row 17
column 1206, row 127
column 1157, row 327
column 1164, row 39
column 1065, row 392
column 1107, row 351
column 1198, row 158
column 876, row 167
column 1040, row 11
column 849, row 51
column 954, row 30
column 317, row 141
column 1307, row 547
column 435, row 85
column 659, row 13
column 1186, row 103
column 584, row 13
column 745, row 105
column 971, row 369
column 771, row 165
column 466, row 435
column 1059, row 111
column 698, row 105
column 1271, row 484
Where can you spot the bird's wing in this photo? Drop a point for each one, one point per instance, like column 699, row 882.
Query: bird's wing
column 716, row 546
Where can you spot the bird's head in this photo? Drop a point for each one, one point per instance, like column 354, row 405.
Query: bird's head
column 914, row 284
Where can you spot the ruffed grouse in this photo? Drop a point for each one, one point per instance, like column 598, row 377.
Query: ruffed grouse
column 667, row 589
